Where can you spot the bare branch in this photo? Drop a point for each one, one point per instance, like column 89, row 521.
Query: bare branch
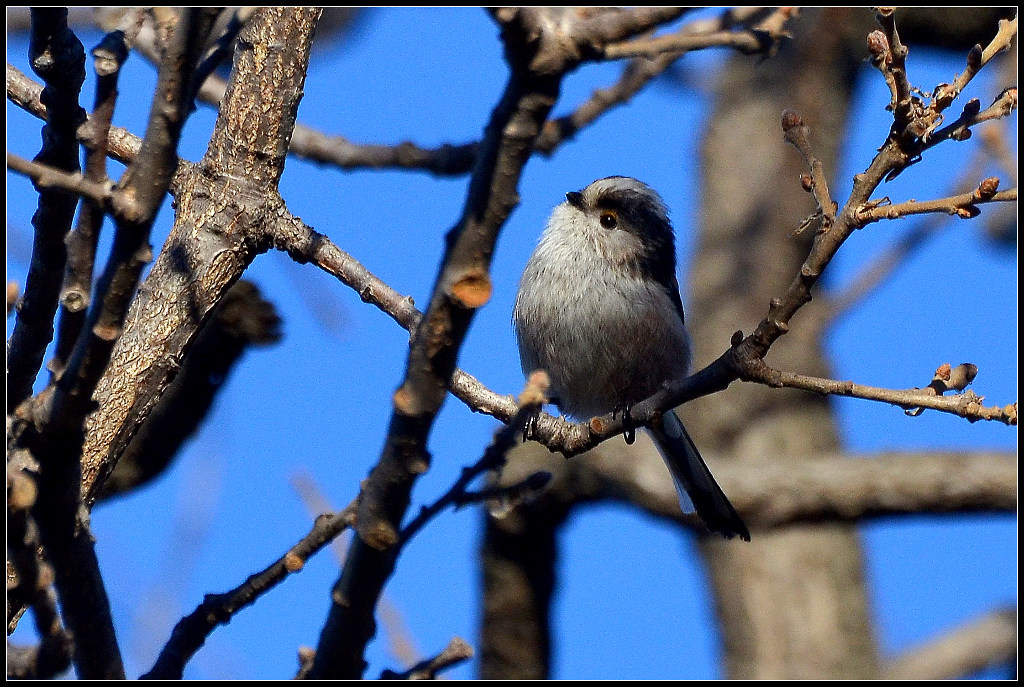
column 887, row 263
column 24, row 92
column 824, row 488
column 762, row 37
column 457, row 651
column 966, row 405
column 960, row 130
column 304, row 245
column 53, row 179
column 987, row 641
column 446, row 160
column 59, row 59
column 977, row 58
column 890, row 56
column 529, row 402
column 122, row 144
column 81, row 243
column 796, row 133
column 964, row 205
column 191, row 632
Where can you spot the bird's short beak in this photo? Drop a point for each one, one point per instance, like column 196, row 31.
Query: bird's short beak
column 575, row 199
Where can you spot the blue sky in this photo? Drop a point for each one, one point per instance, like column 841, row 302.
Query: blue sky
column 632, row 600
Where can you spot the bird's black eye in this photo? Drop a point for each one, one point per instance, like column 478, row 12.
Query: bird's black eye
column 609, row 220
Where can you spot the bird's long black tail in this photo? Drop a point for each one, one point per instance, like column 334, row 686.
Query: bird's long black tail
column 697, row 487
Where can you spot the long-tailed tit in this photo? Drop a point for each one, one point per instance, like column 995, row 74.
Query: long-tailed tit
column 598, row 308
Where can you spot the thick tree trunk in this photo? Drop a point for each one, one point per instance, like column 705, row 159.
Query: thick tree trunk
column 792, row 603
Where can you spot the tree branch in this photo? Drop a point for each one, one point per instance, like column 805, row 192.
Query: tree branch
column 760, row 37
column 963, row 205
column 81, row 243
column 220, row 227
column 977, row 58
column 987, row 641
column 191, row 632
column 834, row 488
column 457, row 651
column 70, row 183
column 59, row 59
column 967, row 405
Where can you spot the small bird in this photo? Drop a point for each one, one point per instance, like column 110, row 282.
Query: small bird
column 598, row 309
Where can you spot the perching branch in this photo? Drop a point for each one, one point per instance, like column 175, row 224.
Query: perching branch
column 530, row 401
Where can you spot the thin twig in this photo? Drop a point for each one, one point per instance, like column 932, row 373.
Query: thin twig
column 754, row 38
column 893, row 63
column 75, row 298
column 457, row 651
column 796, row 133
column 960, row 130
column 966, row 405
column 964, row 205
column 191, row 632
column 977, row 57
column 53, row 179
column 530, row 401
column 445, row 160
